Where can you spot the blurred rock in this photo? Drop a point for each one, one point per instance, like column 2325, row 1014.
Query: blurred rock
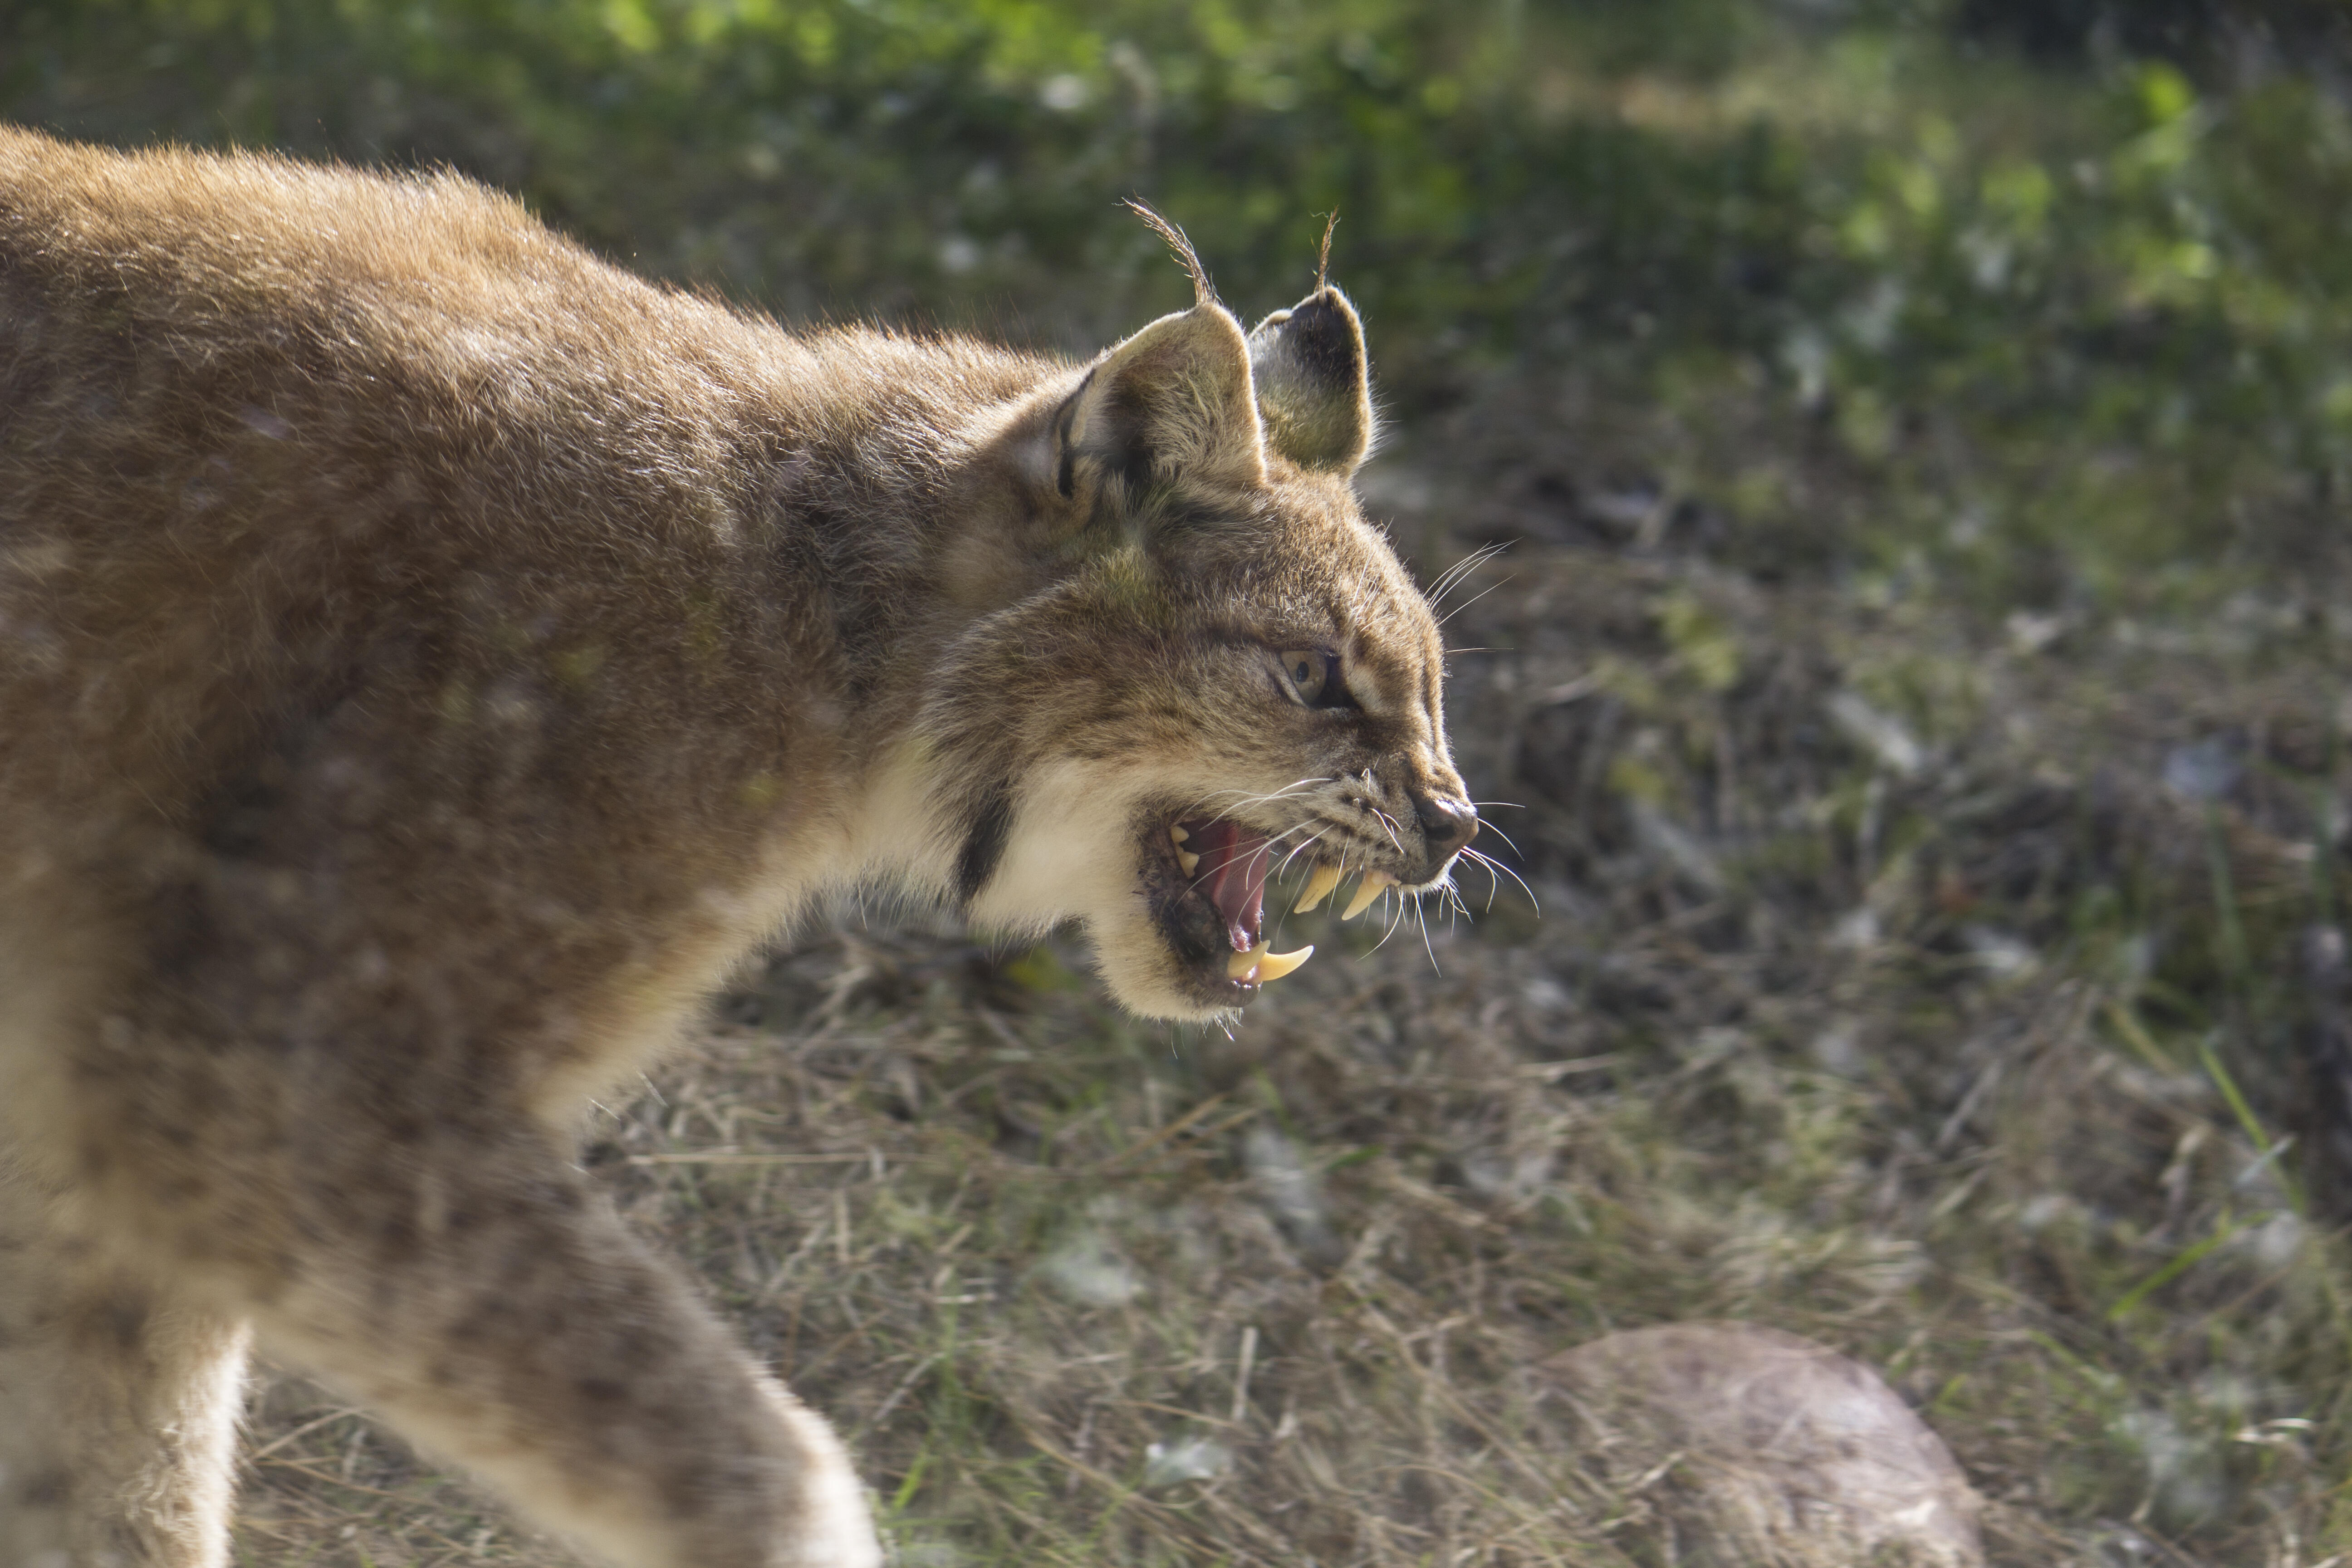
column 1291, row 1193
column 2185, row 1477
column 1185, row 1459
column 1087, row 1268
column 2202, row 771
column 2001, row 953
column 1759, row 1448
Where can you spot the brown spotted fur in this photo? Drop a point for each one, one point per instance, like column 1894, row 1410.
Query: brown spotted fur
column 429, row 659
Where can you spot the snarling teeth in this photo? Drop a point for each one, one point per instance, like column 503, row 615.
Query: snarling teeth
column 1184, row 857
column 1320, row 884
column 1373, row 885
column 1228, row 864
column 1257, row 966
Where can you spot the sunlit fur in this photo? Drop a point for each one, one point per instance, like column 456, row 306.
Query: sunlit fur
column 430, row 659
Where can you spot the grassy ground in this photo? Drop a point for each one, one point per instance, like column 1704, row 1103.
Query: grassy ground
column 1912, row 664
column 1922, row 983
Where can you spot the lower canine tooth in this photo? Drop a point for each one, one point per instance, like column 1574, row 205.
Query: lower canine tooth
column 1190, row 861
column 1275, row 966
column 1326, row 876
column 1258, row 966
column 1373, row 885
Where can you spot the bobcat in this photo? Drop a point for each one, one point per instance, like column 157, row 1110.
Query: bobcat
column 430, row 657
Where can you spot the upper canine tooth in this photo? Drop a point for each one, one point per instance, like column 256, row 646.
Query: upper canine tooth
column 1190, row 861
column 1242, row 965
column 1275, row 966
column 1176, row 834
column 1326, row 876
column 1370, row 888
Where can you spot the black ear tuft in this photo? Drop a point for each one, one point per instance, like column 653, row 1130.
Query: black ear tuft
column 1204, row 291
column 1314, row 386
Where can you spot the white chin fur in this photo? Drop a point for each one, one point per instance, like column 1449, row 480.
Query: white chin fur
column 1141, row 973
column 1071, row 854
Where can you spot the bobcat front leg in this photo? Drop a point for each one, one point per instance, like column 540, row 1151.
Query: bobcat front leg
column 117, row 1403
column 376, row 1196
column 501, row 1315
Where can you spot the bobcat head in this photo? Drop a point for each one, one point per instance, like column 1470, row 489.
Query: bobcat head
column 1218, row 670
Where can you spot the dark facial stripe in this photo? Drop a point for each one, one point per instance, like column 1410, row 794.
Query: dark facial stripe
column 1066, row 478
column 984, row 841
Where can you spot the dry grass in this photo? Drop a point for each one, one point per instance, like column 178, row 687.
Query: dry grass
column 1900, row 981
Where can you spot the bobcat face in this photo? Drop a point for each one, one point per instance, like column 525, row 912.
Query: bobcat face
column 1233, row 676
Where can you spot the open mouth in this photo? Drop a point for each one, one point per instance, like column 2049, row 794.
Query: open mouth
column 1212, row 909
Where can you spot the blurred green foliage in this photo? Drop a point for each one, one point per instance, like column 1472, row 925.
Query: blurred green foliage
column 2085, row 327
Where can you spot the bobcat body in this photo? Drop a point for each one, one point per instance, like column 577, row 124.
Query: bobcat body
column 430, row 659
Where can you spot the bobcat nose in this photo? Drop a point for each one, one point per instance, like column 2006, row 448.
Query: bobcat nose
column 1449, row 824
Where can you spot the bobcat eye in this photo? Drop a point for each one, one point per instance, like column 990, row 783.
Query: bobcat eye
column 1314, row 678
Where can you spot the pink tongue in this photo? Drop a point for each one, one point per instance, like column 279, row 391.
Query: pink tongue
column 1232, row 875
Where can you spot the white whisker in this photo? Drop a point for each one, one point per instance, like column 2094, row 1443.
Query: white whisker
column 1444, row 888
column 1300, row 849
column 1452, row 576
column 1494, row 865
column 1395, row 919
column 1490, row 827
column 1245, row 799
column 1472, row 600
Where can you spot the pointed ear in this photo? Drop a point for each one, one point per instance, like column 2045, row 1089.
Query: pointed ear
column 1314, row 386
column 1172, row 402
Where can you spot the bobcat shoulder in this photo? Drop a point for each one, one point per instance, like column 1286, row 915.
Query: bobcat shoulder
column 430, row 657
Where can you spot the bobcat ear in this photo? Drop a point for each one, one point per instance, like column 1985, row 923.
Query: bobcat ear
column 1314, row 387
column 1171, row 402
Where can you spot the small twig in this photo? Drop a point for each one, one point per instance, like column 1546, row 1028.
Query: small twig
column 303, row 1430
column 737, row 1157
column 1583, row 686
column 906, row 1386
column 1122, row 1494
column 300, row 1468
column 1552, row 1072
column 1445, row 1393
column 1197, row 1418
column 1162, row 1135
